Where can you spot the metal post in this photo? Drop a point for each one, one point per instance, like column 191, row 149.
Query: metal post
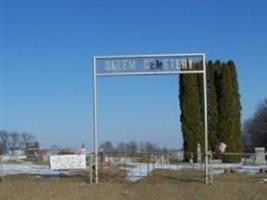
column 2, row 178
column 95, row 120
column 211, row 170
column 91, row 167
column 148, row 168
column 2, row 170
column 205, row 118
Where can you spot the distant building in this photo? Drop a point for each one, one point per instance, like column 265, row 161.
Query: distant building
column 32, row 150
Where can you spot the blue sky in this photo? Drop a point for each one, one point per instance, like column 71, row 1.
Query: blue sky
column 46, row 49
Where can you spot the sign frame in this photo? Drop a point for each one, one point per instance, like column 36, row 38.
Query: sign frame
column 96, row 75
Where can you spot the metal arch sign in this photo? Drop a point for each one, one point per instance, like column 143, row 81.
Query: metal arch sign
column 148, row 64
column 155, row 64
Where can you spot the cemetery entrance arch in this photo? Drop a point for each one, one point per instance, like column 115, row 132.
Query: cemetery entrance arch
column 155, row 64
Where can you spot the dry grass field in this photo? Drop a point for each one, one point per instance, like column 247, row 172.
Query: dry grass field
column 162, row 185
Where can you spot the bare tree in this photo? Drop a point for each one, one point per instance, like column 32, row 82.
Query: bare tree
column 14, row 139
column 107, row 147
column 142, row 147
column 151, row 148
column 26, row 138
column 121, row 147
column 11, row 140
column 4, row 137
column 255, row 129
column 132, row 147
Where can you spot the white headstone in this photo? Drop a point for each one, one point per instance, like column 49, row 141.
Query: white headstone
column 260, row 156
column 199, row 155
column 68, row 162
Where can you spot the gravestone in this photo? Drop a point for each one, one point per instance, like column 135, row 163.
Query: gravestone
column 199, row 155
column 250, row 160
column 260, row 156
column 160, row 159
column 64, row 162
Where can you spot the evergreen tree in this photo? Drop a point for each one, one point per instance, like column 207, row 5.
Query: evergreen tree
column 229, row 112
column 224, row 108
column 237, row 108
column 191, row 120
column 212, row 107
column 201, row 93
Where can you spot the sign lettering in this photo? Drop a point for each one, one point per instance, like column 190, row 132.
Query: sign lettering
column 148, row 64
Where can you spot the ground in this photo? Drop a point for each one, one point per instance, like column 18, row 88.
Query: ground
column 162, row 185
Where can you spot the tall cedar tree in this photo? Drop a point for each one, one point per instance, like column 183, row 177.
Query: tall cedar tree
column 229, row 128
column 237, row 108
column 212, row 105
column 224, row 109
column 213, row 118
column 191, row 120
